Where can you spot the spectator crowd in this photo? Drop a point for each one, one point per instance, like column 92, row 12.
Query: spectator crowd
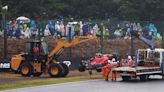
column 20, row 30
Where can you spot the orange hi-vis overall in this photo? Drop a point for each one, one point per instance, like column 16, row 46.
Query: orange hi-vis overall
column 130, row 62
column 114, row 73
column 106, row 70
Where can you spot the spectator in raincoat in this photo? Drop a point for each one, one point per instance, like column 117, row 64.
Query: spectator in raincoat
column 103, row 32
column 25, row 30
column 159, row 37
column 62, row 29
column 81, row 28
column 118, row 32
column 47, row 31
column 51, row 28
column 12, row 25
column 9, row 32
column 77, row 29
column 128, row 29
column 98, row 33
column 33, row 25
column 135, row 28
column 70, row 30
column 57, row 29
column 85, row 29
column 152, row 31
column 66, row 30
column 33, row 29
column 95, row 29
column 17, row 31
column 139, row 29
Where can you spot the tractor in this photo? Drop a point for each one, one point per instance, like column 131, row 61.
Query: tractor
column 37, row 60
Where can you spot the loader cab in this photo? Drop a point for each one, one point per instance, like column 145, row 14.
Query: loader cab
column 36, row 49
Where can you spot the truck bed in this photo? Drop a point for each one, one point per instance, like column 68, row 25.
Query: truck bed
column 139, row 70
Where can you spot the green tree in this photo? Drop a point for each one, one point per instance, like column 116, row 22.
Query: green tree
column 101, row 9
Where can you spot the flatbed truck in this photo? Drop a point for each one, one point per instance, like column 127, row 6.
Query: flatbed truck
column 147, row 62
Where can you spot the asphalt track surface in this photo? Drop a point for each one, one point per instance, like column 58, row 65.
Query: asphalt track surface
column 152, row 85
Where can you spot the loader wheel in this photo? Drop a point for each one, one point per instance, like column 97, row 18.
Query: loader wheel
column 65, row 70
column 37, row 74
column 26, row 69
column 55, row 70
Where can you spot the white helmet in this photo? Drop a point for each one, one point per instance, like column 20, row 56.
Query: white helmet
column 109, row 61
column 129, row 57
column 113, row 59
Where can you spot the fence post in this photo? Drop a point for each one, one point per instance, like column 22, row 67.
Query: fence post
column 163, row 40
column 101, row 38
column 132, row 45
column 69, row 40
column 4, row 12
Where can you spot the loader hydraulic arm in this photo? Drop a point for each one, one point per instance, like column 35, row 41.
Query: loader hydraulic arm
column 146, row 41
column 63, row 43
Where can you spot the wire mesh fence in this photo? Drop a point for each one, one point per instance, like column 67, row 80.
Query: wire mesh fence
column 114, row 36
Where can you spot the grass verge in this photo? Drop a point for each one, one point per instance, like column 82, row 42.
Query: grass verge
column 47, row 81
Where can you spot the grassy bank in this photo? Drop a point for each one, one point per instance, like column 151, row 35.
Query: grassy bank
column 46, row 81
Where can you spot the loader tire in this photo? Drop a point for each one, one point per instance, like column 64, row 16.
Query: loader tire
column 65, row 70
column 55, row 70
column 26, row 69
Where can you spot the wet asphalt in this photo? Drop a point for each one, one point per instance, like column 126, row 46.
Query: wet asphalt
column 155, row 84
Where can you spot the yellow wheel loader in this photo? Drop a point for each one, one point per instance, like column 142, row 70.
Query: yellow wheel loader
column 37, row 60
